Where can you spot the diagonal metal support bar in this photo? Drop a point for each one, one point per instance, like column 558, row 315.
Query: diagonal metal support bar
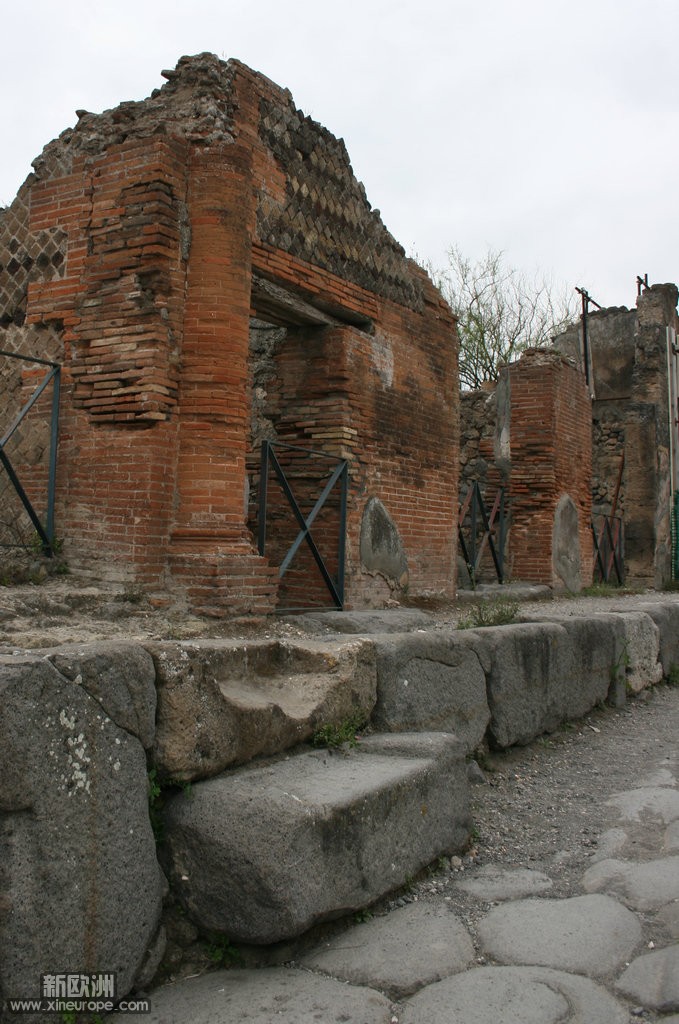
column 608, row 556
column 54, row 372
column 339, row 475
column 46, row 533
column 26, row 502
column 472, row 552
column 307, row 523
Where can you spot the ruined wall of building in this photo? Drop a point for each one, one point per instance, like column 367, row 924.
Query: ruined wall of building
column 551, row 471
column 631, row 425
column 137, row 254
column 531, row 433
column 611, row 351
column 485, row 460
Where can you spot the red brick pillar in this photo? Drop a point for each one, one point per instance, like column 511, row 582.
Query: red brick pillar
column 551, row 472
column 119, row 303
column 212, row 549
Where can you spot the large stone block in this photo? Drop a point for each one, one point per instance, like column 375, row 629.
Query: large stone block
column 430, row 681
column 275, row 995
column 543, row 673
column 263, row 852
column 637, row 650
column 643, row 666
column 120, row 676
column 80, row 885
column 222, row 703
column 666, row 618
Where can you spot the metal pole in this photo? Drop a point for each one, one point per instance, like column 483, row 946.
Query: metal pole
column 263, row 487
column 585, row 336
column 54, row 440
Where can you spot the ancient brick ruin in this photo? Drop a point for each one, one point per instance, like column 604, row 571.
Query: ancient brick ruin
column 531, row 434
column 635, row 441
column 538, row 434
column 209, row 273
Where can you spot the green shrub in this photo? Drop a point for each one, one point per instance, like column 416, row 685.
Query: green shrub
column 332, row 736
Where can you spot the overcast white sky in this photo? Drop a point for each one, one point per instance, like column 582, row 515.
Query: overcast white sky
column 545, row 128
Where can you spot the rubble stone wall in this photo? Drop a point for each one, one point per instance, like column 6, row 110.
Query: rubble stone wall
column 631, row 424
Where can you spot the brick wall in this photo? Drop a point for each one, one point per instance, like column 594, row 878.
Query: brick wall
column 131, row 252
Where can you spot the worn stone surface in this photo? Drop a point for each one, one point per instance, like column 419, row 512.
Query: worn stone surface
column 671, row 840
column 611, row 843
column 222, row 703
column 668, row 917
column 493, row 883
column 375, row 620
column 666, row 618
column 514, row 995
column 541, row 674
column 80, row 885
column 264, row 852
column 648, row 885
column 430, row 682
column 648, row 801
column 635, row 649
column 657, row 777
column 642, row 647
column 653, row 980
column 413, row 946
column 120, row 676
column 591, row 935
column 262, row 997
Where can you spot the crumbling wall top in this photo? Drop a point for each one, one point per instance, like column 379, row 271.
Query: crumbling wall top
column 321, row 214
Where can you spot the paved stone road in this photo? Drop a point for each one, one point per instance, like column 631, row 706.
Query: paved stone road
column 586, row 958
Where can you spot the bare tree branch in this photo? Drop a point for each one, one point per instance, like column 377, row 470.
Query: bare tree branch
column 500, row 313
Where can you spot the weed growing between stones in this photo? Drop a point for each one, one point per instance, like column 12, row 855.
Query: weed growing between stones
column 223, row 953
column 362, row 916
column 158, row 791
column 499, row 612
column 347, row 732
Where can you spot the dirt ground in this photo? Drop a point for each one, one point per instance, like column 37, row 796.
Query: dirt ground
column 73, row 609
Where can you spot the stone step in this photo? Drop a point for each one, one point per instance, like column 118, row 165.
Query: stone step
column 264, row 852
column 222, row 703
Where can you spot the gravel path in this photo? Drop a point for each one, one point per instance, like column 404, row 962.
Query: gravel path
column 543, row 806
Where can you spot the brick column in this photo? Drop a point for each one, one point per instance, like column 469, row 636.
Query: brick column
column 212, row 549
column 551, row 457
column 119, row 301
